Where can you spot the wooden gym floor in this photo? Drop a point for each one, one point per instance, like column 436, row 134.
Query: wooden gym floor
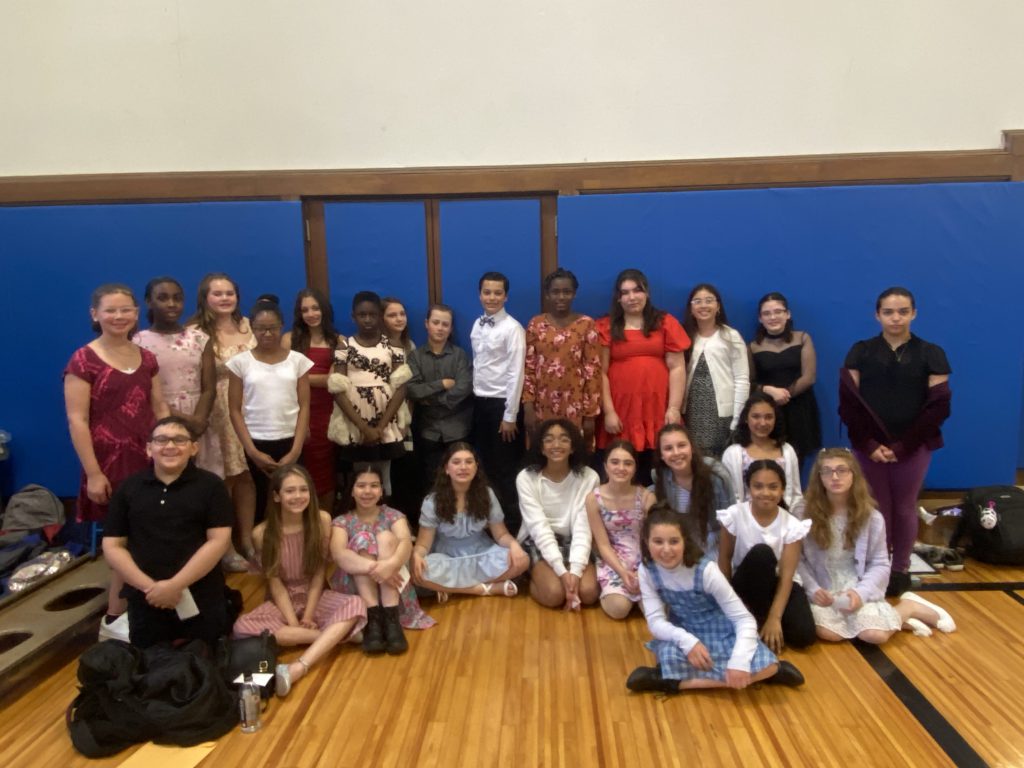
column 504, row 682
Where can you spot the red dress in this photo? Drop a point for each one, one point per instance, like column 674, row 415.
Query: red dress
column 120, row 420
column 318, row 452
column 638, row 379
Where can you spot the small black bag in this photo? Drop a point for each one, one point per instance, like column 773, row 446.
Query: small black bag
column 253, row 655
column 993, row 524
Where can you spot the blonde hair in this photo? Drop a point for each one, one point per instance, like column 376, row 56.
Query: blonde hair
column 818, row 510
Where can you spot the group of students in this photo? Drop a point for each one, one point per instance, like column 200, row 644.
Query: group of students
column 710, row 546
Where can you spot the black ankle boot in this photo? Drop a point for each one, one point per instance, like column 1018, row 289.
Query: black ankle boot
column 373, row 632
column 644, row 679
column 394, row 637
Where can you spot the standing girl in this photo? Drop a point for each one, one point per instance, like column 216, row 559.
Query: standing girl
column 269, row 399
column 368, row 384
column 643, row 368
column 703, row 635
column 292, row 544
column 785, row 366
column 112, row 395
column 760, row 435
column 219, row 316
column 691, row 485
column 553, row 492
column 563, row 361
column 718, row 376
column 314, row 335
column 404, row 476
column 893, row 397
column 616, row 512
column 453, row 554
column 442, row 389
column 759, row 553
column 188, row 374
column 845, row 563
column 371, row 545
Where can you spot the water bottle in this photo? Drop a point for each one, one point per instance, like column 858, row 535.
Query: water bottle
column 249, row 705
column 842, row 603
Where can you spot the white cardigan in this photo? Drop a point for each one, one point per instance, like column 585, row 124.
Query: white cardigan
column 726, row 355
column 732, row 460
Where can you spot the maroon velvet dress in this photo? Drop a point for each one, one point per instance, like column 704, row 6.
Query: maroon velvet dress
column 318, row 452
column 120, row 420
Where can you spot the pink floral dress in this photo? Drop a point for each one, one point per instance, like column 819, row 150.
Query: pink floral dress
column 563, row 369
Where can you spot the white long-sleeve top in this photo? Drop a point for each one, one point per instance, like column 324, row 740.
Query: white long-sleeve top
column 499, row 361
column 726, row 355
column 717, row 586
column 733, row 461
column 551, row 509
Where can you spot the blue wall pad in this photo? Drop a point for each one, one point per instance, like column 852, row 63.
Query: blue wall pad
column 53, row 258
column 379, row 247
column 831, row 251
column 480, row 236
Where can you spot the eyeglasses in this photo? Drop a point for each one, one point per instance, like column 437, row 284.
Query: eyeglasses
column 705, row 302
column 163, row 440
column 260, row 330
column 834, row 471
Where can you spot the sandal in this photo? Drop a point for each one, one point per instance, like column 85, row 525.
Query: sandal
column 509, row 588
column 282, row 680
column 442, row 597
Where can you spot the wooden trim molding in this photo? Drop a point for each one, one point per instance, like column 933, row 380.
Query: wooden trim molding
column 568, row 179
column 315, row 238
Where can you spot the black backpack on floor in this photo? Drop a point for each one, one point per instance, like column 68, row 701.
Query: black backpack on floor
column 1003, row 542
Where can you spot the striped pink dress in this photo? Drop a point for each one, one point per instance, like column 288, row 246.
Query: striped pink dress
column 331, row 608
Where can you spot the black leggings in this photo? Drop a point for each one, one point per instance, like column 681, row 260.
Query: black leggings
column 275, row 449
column 755, row 581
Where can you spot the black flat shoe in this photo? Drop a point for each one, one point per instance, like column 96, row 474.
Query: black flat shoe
column 787, row 675
column 373, row 632
column 644, row 679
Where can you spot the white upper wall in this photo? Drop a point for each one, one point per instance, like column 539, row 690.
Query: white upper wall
column 180, row 85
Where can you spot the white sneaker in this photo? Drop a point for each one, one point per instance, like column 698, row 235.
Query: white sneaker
column 115, row 630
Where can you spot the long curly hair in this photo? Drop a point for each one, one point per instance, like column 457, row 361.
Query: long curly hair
column 702, row 491
column 478, row 498
column 859, row 503
column 204, row 319
column 535, row 458
column 314, row 550
column 617, row 316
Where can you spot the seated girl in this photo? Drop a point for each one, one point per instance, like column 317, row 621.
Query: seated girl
column 616, row 512
column 453, row 553
column 704, row 637
column 553, row 492
column 845, row 564
column 759, row 435
column 292, row 547
column 692, row 485
column 371, row 545
column 759, row 552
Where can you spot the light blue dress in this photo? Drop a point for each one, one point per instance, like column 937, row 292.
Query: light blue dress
column 463, row 553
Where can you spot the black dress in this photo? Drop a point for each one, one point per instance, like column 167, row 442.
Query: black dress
column 800, row 415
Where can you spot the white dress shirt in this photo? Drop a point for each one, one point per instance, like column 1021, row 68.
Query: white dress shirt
column 499, row 361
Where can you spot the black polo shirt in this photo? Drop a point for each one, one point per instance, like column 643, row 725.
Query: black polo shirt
column 166, row 524
column 894, row 382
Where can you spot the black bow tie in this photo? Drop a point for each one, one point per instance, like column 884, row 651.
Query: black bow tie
column 486, row 320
